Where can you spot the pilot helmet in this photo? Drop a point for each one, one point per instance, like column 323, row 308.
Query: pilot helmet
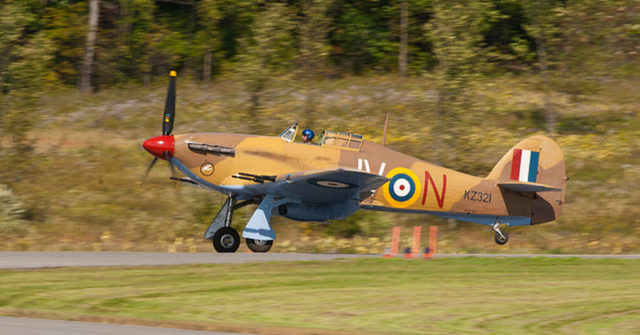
column 308, row 133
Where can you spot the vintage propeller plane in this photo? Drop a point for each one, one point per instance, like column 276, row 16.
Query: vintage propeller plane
column 342, row 172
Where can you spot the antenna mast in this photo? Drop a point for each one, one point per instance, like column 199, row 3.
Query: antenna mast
column 384, row 132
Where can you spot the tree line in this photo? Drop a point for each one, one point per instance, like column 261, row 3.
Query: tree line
column 94, row 44
column 98, row 43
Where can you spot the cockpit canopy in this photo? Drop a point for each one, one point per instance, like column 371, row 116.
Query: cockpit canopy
column 328, row 138
column 289, row 134
column 341, row 140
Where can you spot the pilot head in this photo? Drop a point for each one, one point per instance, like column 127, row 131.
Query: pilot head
column 307, row 135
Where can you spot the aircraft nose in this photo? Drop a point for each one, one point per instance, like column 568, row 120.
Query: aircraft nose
column 158, row 145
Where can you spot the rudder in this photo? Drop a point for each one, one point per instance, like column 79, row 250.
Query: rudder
column 537, row 159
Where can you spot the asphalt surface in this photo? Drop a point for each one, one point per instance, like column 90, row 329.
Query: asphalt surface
column 34, row 260
column 27, row 326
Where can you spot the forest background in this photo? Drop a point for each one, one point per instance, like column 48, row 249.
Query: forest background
column 83, row 83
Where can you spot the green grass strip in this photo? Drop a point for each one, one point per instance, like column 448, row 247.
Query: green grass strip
column 395, row 296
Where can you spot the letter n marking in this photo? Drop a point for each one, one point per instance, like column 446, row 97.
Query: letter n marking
column 439, row 197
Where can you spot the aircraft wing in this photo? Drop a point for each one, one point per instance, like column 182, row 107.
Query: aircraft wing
column 319, row 186
column 324, row 186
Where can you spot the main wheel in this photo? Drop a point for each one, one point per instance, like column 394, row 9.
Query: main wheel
column 501, row 240
column 259, row 245
column 226, row 239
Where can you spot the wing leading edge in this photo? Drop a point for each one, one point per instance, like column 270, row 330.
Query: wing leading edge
column 321, row 187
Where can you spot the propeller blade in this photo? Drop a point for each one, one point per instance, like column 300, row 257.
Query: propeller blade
column 169, row 106
column 167, row 156
column 153, row 162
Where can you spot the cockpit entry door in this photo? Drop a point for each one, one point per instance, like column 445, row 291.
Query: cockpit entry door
column 289, row 134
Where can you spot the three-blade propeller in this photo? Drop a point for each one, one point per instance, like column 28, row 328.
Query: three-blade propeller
column 162, row 147
column 169, row 106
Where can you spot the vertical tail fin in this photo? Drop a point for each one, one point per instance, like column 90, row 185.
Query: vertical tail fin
column 537, row 159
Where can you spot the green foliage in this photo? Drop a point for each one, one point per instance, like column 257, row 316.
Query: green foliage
column 269, row 49
column 313, row 39
column 509, row 46
column 207, row 40
column 139, row 39
column 12, row 212
column 14, row 18
column 456, row 32
column 64, row 25
column 361, row 37
column 266, row 53
column 24, row 72
column 420, row 56
column 361, row 223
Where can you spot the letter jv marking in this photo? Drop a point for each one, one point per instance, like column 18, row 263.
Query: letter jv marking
column 367, row 168
column 439, row 197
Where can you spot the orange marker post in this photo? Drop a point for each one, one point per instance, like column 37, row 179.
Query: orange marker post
column 395, row 240
column 415, row 246
column 433, row 242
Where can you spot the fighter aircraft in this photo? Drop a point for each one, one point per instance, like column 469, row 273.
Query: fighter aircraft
column 342, row 172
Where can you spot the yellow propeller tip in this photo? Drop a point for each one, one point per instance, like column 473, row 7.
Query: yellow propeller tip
column 173, row 73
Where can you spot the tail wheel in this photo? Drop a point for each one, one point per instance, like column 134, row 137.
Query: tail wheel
column 501, row 237
column 226, row 239
column 259, row 245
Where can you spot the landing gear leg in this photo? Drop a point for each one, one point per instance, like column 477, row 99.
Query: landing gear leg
column 222, row 219
column 500, row 237
column 220, row 232
column 224, row 237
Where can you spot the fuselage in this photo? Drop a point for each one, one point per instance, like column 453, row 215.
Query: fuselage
column 415, row 185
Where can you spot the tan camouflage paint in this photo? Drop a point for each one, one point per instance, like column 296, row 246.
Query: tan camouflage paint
column 463, row 193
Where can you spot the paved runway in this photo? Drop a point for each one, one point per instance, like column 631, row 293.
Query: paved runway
column 33, row 260
column 27, row 326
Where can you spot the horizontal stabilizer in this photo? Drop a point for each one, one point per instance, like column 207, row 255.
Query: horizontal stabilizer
column 528, row 187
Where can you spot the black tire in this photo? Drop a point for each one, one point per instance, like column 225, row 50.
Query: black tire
column 259, row 245
column 226, row 239
column 501, row 240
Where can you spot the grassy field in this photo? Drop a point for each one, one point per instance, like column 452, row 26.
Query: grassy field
column 80, row 187
column 364, row 296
